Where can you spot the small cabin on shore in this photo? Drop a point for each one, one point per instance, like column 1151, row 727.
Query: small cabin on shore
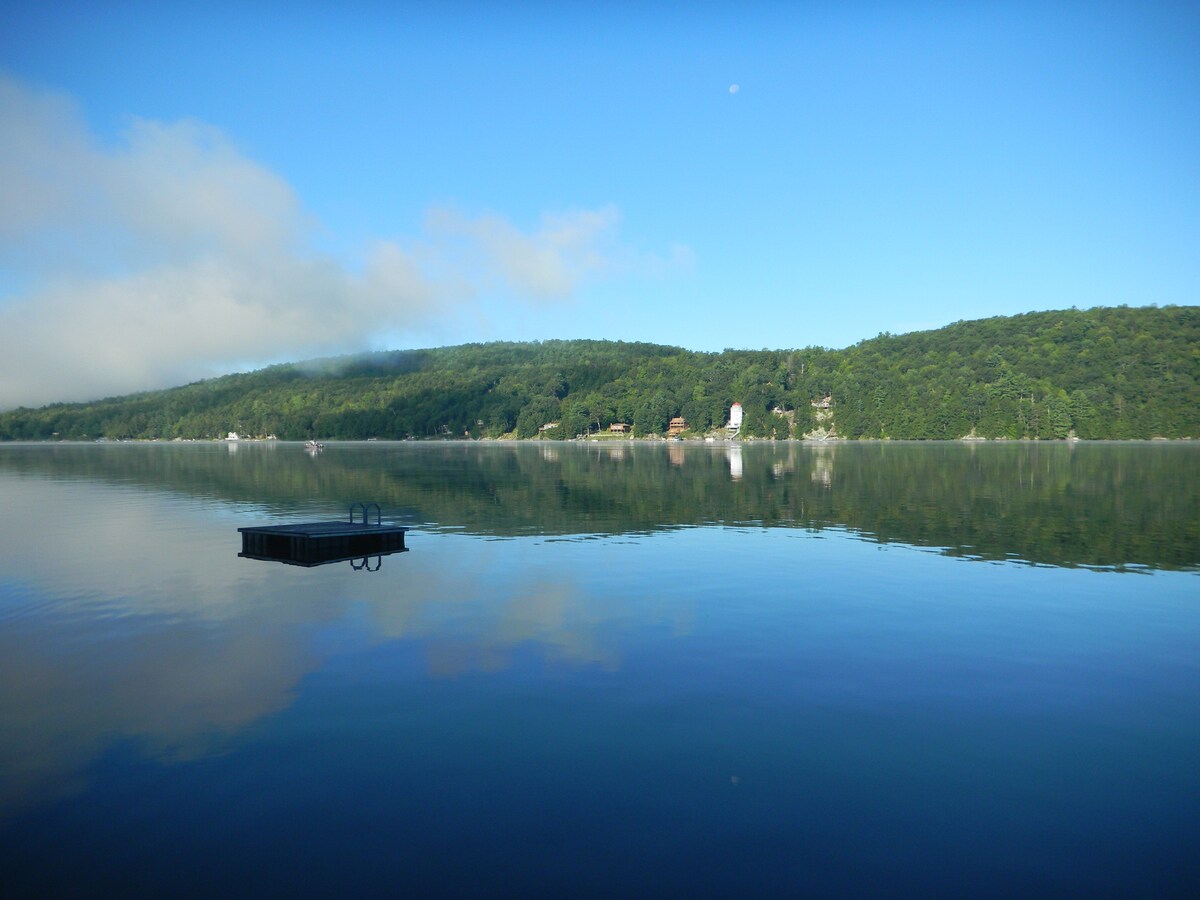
column 618, row 428
column 677, row 427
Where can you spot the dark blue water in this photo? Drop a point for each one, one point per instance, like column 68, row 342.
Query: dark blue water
column 608, row 674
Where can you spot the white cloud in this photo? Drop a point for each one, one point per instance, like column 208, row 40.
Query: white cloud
column 550, row 263
column 171, row 256
column 547, row 264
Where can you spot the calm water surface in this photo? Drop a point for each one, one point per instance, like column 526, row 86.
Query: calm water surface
column 604, row 670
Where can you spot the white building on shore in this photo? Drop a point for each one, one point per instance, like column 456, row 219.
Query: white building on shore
column 735, row 419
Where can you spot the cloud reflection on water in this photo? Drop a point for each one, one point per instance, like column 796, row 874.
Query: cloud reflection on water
column 138, row 621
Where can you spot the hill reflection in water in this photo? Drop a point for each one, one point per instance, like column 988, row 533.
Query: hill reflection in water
column 1102, row 505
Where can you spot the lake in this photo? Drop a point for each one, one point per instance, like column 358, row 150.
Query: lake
column 610, row 669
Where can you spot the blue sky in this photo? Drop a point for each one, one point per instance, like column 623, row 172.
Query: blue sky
column 192, row 190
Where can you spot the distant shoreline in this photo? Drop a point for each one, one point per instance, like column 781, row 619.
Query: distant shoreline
column 647, row 441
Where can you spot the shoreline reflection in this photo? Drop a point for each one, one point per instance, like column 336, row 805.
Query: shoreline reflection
column 1109, row 506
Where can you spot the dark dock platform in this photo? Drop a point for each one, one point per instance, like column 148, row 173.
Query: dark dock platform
column 317, row 543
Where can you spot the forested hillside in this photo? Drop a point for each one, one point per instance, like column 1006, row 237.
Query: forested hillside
column 1099, row 373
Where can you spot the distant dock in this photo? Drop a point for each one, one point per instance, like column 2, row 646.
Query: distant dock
column 317, row 543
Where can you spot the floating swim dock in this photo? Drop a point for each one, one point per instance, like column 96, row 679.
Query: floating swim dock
column 317, row 543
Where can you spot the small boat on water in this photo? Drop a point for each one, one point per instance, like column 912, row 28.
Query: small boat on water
column 314, row 446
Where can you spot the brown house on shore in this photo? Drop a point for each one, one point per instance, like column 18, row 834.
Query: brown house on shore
column 618, row 428
column 678, row 426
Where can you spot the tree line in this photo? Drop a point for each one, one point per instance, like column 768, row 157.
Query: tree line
column 1102, row 373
